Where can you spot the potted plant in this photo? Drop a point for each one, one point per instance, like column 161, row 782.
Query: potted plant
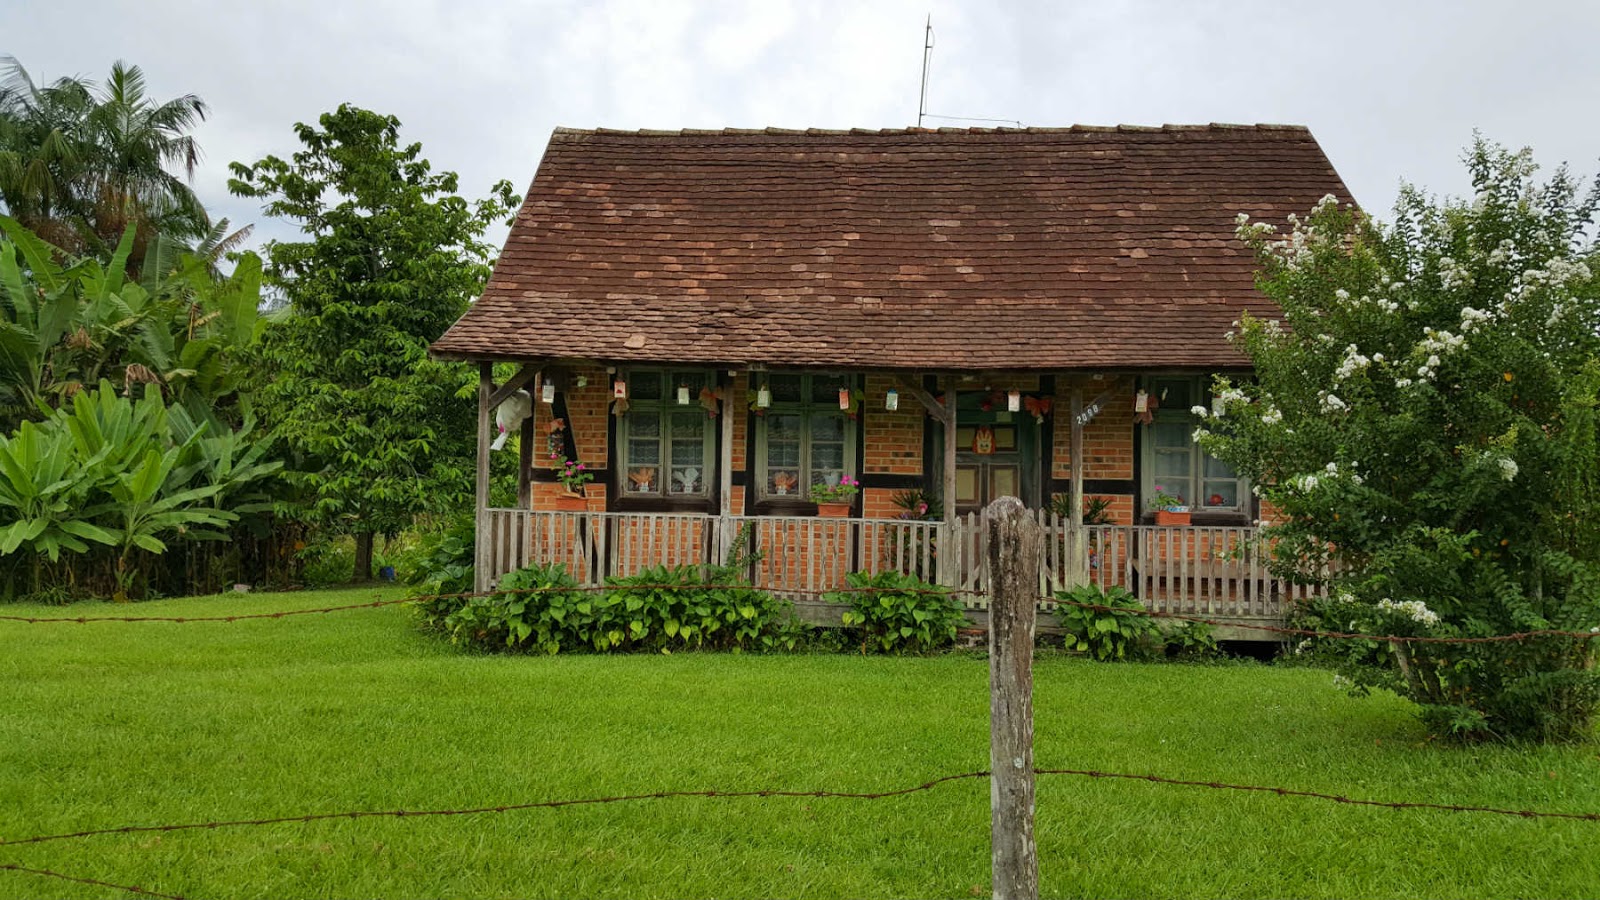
column 573, row 475
column 1169, row 508
column 835, row 497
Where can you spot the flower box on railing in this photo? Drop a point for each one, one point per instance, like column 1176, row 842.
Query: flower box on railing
column 837, row 510
column 1173, row 516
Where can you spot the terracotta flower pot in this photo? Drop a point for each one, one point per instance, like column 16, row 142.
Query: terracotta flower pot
column 834, row 510
column 1168, row 517
column 571, row 503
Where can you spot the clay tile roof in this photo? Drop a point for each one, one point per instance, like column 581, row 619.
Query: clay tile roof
column 953, row 249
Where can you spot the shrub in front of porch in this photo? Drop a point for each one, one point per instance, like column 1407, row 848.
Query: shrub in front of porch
column 542, row 608
column 1425, row 417
column 896, row 612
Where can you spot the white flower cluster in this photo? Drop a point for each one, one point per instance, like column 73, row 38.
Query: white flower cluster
column 1453, row 275
column 1502, row 253
column 1556, row 273
column 1333, row 471
column 1271, row 416
column 1331, row 402
column 1508, row 467
column 1471, row 318
column 1352, row 363
column 1441, row 341
column 1199, row 412
column 1415, row 610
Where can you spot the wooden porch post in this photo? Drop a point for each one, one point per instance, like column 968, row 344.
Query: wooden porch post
column 725, row 475
column 1078, row 547
column 950, row 456
column 525, row 463
column 480, row 543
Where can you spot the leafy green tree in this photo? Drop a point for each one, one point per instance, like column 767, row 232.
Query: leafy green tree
column 391, row 258
column 80, row 163
column 1424, row 416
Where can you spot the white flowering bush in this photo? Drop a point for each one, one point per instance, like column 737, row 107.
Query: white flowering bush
column 1424, row 416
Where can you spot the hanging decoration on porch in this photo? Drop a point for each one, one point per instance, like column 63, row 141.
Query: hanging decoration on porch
column 548, row 392
column 683, row 395
column 850, row 401
column 891, row 400
column 983, row 441
column 1144, row 407
column 1038, row 407
column 1014, row 401
column 619, row 396
column 711, row 401
column 510, row 415
column 763, row 397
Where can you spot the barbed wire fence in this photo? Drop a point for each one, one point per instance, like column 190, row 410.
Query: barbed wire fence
column 999, row 608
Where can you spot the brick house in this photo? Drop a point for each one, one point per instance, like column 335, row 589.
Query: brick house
column 772, row 309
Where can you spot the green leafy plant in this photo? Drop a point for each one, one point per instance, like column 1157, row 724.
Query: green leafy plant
column 1096, row 510
column 1115, row 632
column 1191, row 641
column 843, row 492
column 896, row 612
column 541, row 609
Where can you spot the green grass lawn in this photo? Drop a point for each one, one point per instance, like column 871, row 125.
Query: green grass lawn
column 116, row 724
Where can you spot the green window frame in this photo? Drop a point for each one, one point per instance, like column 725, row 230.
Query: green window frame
column 803, row 435
column 1173, row 461
column 665, row 450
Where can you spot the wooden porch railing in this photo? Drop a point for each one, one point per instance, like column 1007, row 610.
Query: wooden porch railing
column 1209, row 571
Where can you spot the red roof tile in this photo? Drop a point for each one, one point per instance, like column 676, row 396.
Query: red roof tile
column 950, row 249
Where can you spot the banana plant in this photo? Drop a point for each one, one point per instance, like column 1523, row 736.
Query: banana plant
column 151, row 503
column 35, row 313
column 42, row 493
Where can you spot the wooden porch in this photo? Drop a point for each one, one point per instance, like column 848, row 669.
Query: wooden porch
column 1215, row 572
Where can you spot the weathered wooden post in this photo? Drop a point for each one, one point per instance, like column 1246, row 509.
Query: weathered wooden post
column 480, row 544
column 1015, row 541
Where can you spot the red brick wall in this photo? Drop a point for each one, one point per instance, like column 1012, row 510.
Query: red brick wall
column 1107, row 441
column 892, row 440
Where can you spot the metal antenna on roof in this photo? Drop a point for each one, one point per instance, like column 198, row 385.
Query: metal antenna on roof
column 927, row 50
column 922, row 101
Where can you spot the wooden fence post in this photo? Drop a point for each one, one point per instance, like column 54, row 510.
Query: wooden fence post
column 1015, row 541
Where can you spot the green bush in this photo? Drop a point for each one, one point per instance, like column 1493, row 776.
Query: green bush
column 1191, row 640
column 1119, row 631
column 897, row 612
column 440, row 562
column 541, row 608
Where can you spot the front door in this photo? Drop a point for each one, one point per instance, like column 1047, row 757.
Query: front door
column 991, row 461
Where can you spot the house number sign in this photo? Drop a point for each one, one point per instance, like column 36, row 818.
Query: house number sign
column 1093, row 409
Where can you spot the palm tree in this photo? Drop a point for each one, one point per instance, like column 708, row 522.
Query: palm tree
column 42, row 149
column 132, row 140
column 79, row 163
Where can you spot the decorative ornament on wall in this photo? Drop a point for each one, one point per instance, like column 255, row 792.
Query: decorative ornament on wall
column 983, row 441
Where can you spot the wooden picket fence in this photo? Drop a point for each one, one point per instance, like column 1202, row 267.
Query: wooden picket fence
column 1200, row 570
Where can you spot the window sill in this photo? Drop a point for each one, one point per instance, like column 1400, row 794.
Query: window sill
column 1203, row 519
column 659, row 504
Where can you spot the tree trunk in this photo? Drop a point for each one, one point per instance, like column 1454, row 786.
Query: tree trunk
column 363, row 556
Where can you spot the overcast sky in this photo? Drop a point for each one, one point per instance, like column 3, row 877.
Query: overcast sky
column 1392, row 90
